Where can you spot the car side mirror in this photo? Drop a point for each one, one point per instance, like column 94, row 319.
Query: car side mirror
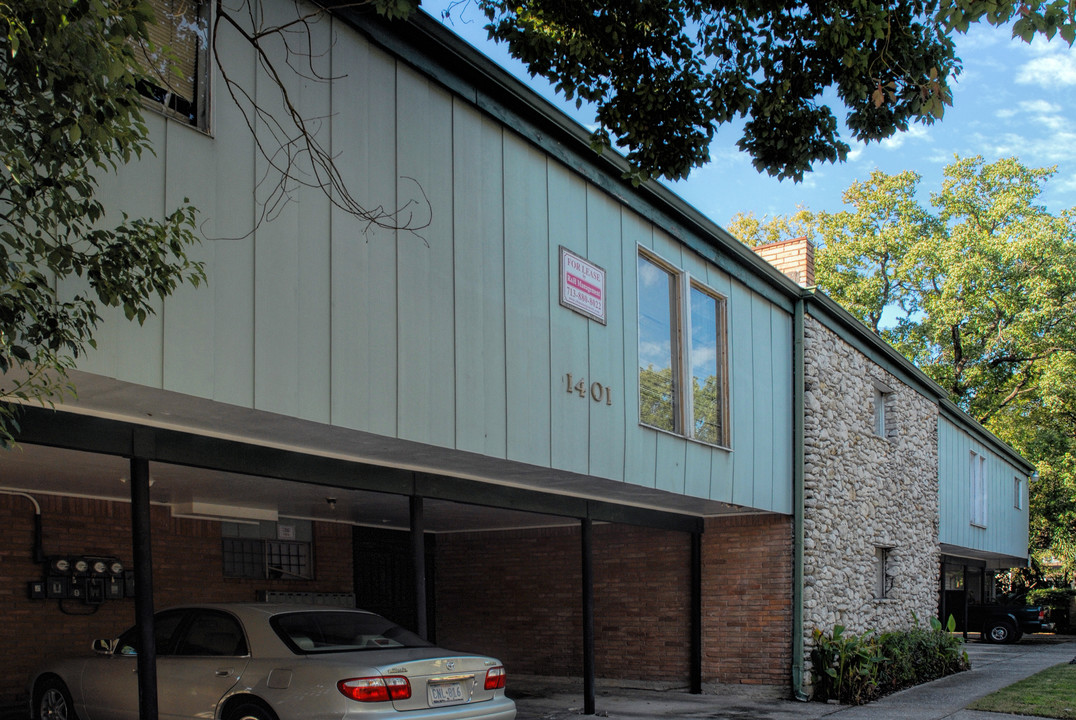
column 104, row 647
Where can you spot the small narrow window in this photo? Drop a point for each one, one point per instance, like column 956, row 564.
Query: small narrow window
column 883, row 573
column 883, row 399
column 978, row 490
column 1018, row 493
column 879, row 413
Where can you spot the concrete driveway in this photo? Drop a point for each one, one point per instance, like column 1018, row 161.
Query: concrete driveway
column 993, row 667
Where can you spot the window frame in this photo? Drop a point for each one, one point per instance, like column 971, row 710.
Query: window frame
column 1018, row 492
column 682, row 285
column 248, row 551
column 882, row 401
column 675, row 340
column 196, row 113
column 883, row 578
column 879, row 412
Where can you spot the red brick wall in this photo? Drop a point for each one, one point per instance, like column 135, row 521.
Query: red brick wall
column 513, row 594
column 187, row 568
column 747, row 600
column 517, row 595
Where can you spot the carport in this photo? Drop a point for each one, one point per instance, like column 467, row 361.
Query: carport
column 208, row 473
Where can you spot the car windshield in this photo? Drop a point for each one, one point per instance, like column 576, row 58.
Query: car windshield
column 332, row 631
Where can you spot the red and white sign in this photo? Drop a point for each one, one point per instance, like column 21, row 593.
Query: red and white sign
column 582, row 286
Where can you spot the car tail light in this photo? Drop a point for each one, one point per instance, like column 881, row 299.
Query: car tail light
column 376, row 689
column 495, row 678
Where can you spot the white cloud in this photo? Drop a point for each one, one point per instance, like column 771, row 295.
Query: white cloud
column 1049, row 71
column 856, row 151
column 914, row 132
column 1055, row 148
column 1039, row 107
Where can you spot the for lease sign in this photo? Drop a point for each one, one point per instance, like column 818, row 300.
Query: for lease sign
column 582, row 286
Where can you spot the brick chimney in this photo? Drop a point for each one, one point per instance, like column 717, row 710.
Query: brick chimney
column 794, row 257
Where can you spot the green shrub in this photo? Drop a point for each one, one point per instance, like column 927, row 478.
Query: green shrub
column 1051, row 597
column 1058, row 600
column 845, row 667
column 856, row 669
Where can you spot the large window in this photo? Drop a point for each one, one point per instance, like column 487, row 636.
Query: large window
column 681, row 335
column 659, row 374
column 177, row 60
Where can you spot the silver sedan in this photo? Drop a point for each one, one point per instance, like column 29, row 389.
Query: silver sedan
column 276, row 662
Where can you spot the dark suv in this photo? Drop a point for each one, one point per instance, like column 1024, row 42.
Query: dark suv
column 1006, row 621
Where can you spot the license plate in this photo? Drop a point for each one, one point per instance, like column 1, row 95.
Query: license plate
column 445, row 693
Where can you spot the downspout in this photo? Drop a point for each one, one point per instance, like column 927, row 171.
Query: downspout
column 798, row 409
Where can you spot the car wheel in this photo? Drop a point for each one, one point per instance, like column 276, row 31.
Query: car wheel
column 52, row 701
column 249, row 710
column 1000, row 631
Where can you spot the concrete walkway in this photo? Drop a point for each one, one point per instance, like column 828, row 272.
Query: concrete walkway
column 993, row 667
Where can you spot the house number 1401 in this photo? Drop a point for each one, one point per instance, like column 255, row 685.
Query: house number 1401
column 598, row 392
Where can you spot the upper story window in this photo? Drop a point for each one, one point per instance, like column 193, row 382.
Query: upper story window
column 879, row 412
column 1018, row 492
column 978, row 490
column 682, row 348
column 177, row 61
column 883, row 400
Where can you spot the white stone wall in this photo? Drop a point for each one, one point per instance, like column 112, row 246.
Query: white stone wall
column 863, row 491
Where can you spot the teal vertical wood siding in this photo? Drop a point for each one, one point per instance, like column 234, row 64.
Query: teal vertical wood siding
column 1006, row 528
column 449, row 331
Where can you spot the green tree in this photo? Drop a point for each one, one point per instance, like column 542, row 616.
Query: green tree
column 866, row 258
column 979, row 289
column 996, row 286
column 664, row 75
column 754, row 231
column 69, row 111
column 656, row 398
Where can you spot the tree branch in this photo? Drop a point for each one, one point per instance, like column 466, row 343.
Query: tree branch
column 295, row 157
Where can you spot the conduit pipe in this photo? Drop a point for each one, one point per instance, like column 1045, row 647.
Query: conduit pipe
column 39, row 549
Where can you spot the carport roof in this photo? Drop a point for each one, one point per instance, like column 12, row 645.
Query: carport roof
column 278, row 464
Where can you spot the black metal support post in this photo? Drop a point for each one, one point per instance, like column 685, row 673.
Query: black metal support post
column 696, row 613
column 143, row 569
column 964, row 609
column 588, row 617
column 418, row 558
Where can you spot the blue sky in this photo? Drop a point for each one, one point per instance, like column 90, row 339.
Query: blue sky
column 1012, row 99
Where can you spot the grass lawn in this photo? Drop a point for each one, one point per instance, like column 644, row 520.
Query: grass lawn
column 1051, row 693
